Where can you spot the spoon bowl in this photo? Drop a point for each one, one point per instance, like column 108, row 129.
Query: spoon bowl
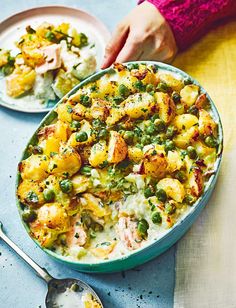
column 68, row 292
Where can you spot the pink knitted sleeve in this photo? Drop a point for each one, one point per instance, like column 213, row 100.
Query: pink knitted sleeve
column 189, row 19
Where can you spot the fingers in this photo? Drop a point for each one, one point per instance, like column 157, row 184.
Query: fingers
column 130, row 51
column 115, row 45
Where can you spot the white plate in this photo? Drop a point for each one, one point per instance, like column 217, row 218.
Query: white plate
column 13, row 27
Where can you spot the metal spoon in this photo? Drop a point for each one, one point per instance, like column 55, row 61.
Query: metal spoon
column 55, row 286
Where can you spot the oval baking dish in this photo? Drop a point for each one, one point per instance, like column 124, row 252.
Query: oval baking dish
column 170, row 236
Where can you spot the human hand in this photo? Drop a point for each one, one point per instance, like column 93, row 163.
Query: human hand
column 142, row 35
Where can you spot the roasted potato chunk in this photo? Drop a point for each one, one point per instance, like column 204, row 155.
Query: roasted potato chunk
column 53, row 216
column 173, row 188
column 174, row 161
column 99, row 109
column 196, row 182
column 93, row 204
column 187, row 137
column 185, row 121
column 30, row 192
column 80, row 183
column 135, row 154
column 139, row 105
column 165, row 105
column 189, row 94
column 207, row 126
column 117, row 148
column 34, row 167
column 99, row 154
column 171, row 81
column 67, row 161
column 154, row 164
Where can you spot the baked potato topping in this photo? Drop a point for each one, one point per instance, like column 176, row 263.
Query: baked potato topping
column 127, row 155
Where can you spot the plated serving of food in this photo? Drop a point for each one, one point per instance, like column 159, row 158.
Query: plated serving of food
column 46, row 54
column 121, row 167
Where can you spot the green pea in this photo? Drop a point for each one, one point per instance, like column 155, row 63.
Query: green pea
column 29, row 216
column 157, row 139
column 150, row 87
column 7, row 69
column 148, row 192
column 170, row 132
column 146, row 140
column 163, row 87
column 183, row 153
column 62, row 239
column 123, row 90
column 193, row 110
column 188, row 81
column 81, row 137
column 154, row 68
column 48, row 195
column 160, row 125
column 121, row 132
column 133, row 66
column 138, row 132
column 156, row 217
column 170, row 208
column 154, row 117
column 103, row 134
column 85, row 100
column 211, row 141
column 50, row 36
column 104, row 164
column 92, row 233
column 86, row 170
column 189, row 199
column 169, row 145
column 143, row 227
column 75, row 124
column 139, row 86
column 192, row 153
column 97, row 123
column 66, row 186
column 128, row 136
column 161, row 195
column 176, row 97
column 181, row 176
column 151, row 129
column 83, row 40
column 118, row 99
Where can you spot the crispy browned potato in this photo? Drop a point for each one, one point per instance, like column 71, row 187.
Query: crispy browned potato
column 117, row 148
column 154, row 164
column 165, row 105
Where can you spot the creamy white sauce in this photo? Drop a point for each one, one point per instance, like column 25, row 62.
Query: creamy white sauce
column 135, row 204
column 70, row 299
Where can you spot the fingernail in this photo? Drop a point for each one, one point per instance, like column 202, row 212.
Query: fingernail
column 104, row 63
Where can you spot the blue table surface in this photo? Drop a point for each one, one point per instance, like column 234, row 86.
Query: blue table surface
column 149, row 286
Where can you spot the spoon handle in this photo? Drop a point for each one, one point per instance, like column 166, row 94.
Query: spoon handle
column 41, row 272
